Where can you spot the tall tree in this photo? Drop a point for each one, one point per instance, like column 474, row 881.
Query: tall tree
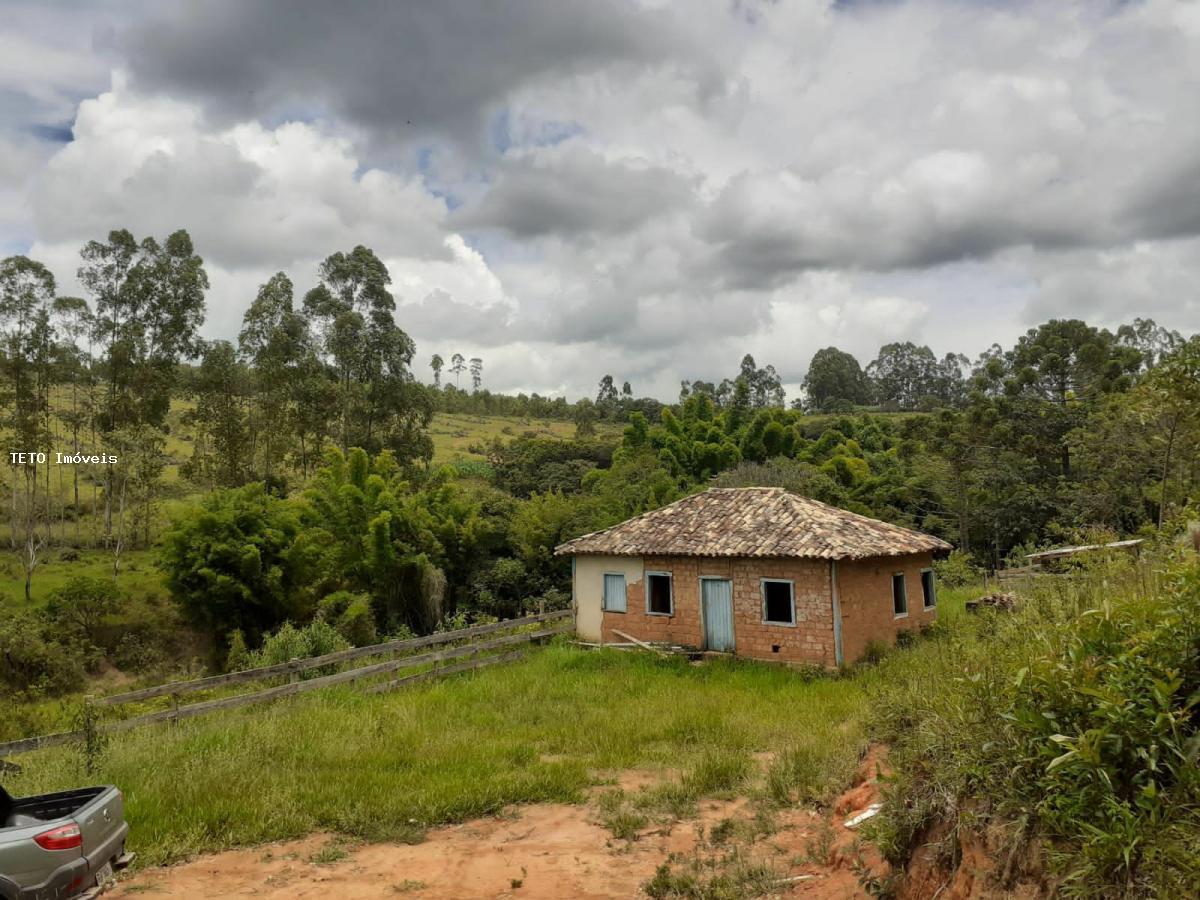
column 274, row 341
column 370, row 355
column 457, row 366
column 26, row 296
column 436, row 363
column 476, row 373
column 834, row 380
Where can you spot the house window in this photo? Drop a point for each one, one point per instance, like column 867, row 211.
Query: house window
column 927, row 588
column 899, row 595
column 658, row 594
column 614, row 592
column 779, row 606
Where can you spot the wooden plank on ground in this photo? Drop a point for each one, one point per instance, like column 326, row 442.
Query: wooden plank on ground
column 641, row 644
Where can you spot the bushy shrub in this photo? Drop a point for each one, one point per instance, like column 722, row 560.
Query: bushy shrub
column 82, row 604
column 957, row 569
column 351, row 615
column 289, row 642
column 1078, row 715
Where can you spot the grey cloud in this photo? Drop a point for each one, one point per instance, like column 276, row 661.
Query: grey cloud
column 438, row 316
column 570, row 190
column 396, row 69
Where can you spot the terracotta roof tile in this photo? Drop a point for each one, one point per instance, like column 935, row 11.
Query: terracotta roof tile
column 771, row 522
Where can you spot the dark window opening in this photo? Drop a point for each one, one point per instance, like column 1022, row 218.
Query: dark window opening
column 658, row 594
column 899, row 597
column 777, row 603
column 928, row 589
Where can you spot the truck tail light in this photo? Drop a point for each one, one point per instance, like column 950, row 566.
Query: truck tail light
column 64, row 837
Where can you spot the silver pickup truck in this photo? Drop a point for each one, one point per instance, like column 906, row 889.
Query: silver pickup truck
column 59, row 846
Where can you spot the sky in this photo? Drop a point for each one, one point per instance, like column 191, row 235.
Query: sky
column 647, row 189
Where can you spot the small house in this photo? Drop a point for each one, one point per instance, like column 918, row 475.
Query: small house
column 758, row 572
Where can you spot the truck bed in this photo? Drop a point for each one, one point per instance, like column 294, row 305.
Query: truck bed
column 45, row 807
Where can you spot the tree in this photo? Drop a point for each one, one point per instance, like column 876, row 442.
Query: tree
column 904, row 375
column 476, row 373
column 230, row 563
column 83, row 603
column 835, row 379
column 353, row 312
column 276, row 342
column 76, row 323
column 222, row 441
column 1170, row 407
column 606, row 397
column 1149, row 339
column 436, row 363
column 26, row 357
column 457, row 366
column 1056, row 373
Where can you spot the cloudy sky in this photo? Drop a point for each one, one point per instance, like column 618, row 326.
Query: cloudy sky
column 651, row 189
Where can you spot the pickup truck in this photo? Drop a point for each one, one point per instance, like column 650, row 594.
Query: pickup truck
column 63, row 845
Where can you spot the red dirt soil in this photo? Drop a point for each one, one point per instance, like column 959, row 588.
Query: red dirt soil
column 537, row 852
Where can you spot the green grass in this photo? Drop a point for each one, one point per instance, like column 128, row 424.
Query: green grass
column 389, row 766
column 138, row 574
column 454, row 434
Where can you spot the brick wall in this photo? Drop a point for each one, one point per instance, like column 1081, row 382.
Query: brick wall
column 810, row 640
column 865, row 596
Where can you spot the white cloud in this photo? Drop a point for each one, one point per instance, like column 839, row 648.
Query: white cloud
column 657, row 193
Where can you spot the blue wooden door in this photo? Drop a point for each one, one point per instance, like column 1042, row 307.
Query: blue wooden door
column 716, row 596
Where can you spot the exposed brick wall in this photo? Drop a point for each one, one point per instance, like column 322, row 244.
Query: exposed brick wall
column 865, row 596
column 810, row 640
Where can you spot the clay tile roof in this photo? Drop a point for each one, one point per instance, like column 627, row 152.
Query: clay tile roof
column 753, row 522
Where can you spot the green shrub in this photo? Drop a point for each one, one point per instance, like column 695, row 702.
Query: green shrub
column 289, row 642
column 957, row 569
column 30, row 660
column 82, row 604
column 351, row 615
column 1079, row 715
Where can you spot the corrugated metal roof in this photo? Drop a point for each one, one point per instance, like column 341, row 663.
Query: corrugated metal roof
column 766, row 522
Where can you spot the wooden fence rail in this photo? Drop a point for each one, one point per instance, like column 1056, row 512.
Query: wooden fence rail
column 302, row 687
column 296, row 666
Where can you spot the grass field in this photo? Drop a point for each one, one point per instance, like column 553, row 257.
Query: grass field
column 389, row 766
column 454, row 434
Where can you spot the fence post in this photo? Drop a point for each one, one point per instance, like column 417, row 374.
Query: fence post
column 295, row 676
column 174, row 709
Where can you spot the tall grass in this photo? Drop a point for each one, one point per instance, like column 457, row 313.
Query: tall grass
column 1074, row 719
column 389, row 766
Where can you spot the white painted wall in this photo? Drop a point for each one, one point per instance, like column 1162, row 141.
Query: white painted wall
column 589, row 589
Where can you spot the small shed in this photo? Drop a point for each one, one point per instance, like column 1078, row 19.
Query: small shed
column 758, row 572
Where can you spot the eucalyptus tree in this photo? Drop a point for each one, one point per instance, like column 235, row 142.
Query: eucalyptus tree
column 369, row 354
column 26, row 297
column 436, row 363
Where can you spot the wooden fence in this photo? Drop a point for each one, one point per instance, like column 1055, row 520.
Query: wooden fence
column 292, row 670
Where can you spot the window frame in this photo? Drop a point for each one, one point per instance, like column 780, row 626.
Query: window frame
column 932, row 589
column 670, row 593
column 604, row 607
column 903, row 614
column 762, row 588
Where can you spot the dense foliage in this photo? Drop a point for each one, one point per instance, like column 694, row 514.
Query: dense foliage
column 1077, row 721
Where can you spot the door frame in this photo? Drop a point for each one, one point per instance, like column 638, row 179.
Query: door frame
column 704, row 624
